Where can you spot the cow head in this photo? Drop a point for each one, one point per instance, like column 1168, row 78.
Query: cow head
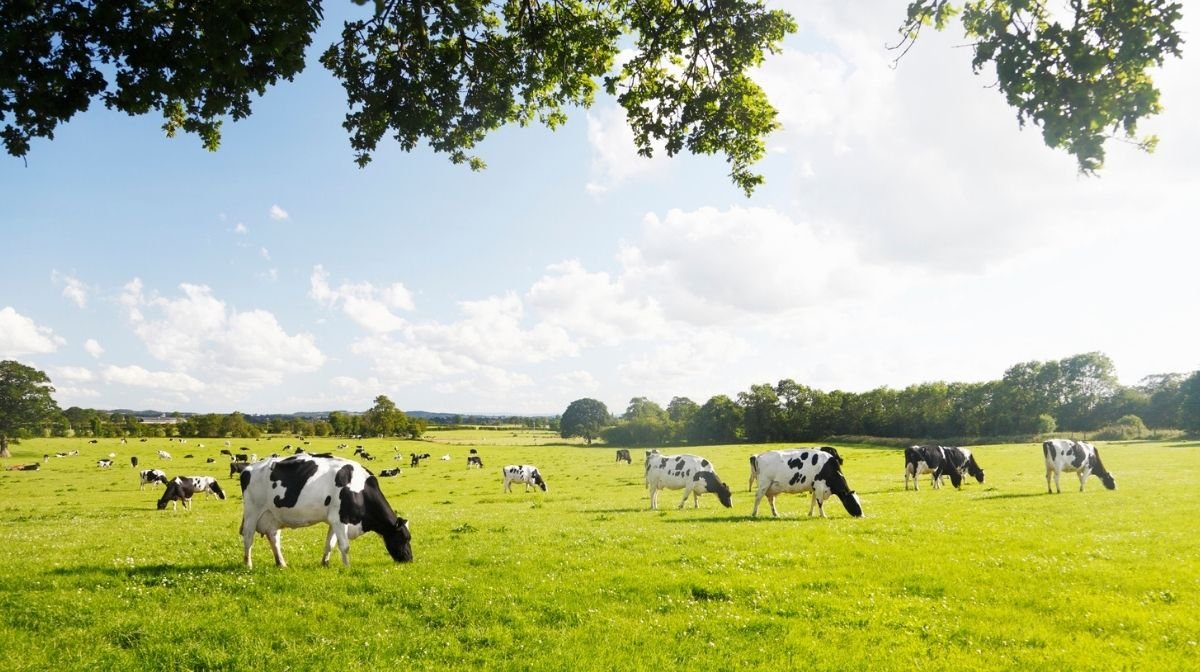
column 398, row 541
column 974, row 469
column 538, row 481
column 851, row 502
column 216, row 489
column 716, row 486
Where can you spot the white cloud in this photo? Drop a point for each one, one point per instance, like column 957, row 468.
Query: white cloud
column 614, row 154
column 20, row 335
column 93, row 348
column 240, row 228
column 594, row 308
column 74, row 374
column 262, row 252
column 278, row 213
column 164, row 381
column 368, row 306
column 73, row 288
column 197, row 333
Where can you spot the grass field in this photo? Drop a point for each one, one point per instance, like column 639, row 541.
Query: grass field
column 584, row 577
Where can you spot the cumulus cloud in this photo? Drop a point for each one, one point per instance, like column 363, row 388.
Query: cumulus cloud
column 20, row 335
column 614, row 154
column 594, row 307
column 165, row 381
column 74, row 374
column 93, row 348
column 279, row 214
column 73, row 288
column 368, row 306
column 198, row 333
column 240, row 228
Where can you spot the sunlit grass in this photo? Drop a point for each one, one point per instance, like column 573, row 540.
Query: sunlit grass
column 585, row 577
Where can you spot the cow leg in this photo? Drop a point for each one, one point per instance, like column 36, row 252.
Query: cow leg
column 1057, row 486
column 1083, row 474
column 757, row 498
column 906, row 470
column 273, row 538
column 771, row 501
column 247, row 541
column 812, row 503
column 653, row 499
column 330, row 540
column 683, row 501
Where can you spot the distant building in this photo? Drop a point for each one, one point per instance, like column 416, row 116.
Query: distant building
column 159, row 420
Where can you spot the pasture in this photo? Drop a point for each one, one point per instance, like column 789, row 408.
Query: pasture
column 585, row 577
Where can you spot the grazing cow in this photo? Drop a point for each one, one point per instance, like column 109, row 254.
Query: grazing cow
column 474, row 461
column 241, row 457
column 963, row 461
column 164, row 455
column 1078, row 456
column 151, row 476
column 178, row 490
column 824, row 449
column 416, row 459
column 522, row 473
column 104, row 463
column 133, row 461
column 623, row 456
column 303, row 490
column 388, row 473
column 204, row 484
column 691, row 473
column 929, row 460
column 237, row 468
column 210, row 460
column 32, row 466
column 226, row 451
column 802, row 470
column 93, row 441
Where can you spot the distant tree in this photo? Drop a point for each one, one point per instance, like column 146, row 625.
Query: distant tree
column 1046, row 424
column 25, row 401
column 584, row 418
column 384, row 419
column 1189, row 411
column 762, row 417
column 719, row 420
column 643, row 408
column 1164, row 407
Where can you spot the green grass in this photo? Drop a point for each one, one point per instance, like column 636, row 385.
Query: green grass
column 584, row 577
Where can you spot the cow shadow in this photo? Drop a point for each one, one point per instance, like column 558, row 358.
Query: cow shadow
column 1011, row 495
column 619, row 509
column 145, row 572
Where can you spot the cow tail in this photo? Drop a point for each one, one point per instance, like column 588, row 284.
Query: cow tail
column 753, row 471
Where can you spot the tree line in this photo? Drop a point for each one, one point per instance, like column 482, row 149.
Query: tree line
column 1077, row 394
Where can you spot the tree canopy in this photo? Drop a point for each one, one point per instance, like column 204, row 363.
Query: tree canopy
column 449, row 73
column 25, row 400
column 585, row 418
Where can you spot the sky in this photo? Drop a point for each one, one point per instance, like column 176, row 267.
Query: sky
column 908, row 231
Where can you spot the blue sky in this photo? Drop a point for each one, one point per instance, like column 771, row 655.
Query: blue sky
column 908, row 231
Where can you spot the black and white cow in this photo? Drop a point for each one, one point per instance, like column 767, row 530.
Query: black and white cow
column 623, row 456
column 830, row 450
column 133, row 461
column 522, row 473
column 178, row 490
column 1067, row 455
column 474, row 461
column 388, row 473
column 303, row 490
column 205, row 484
column 802, row 470
column 151, row 476
column 416, row 458
column 691, row 473
column 164, row 455
column 940, row 461
column 104, row 463
column 237, row 468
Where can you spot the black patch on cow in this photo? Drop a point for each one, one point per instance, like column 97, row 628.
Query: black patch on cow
column 663, row 464
column 1078, row 455
column 795, row 478
column 244, row 479
column 216, row 489
column 292, row 473
column 328, row 499
column 704, row 464
column 342, row 478
column 796, row 463
column 804, row 456
column 815, row 457
column 1098, row 468
column 714, row 485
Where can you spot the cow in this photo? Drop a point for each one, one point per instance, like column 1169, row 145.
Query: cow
column 1067, row 455
column 388, row 473
column 178, row 490
column 802, row 470
column 939, row 461
column 133, row 461
column 303, row 490
column 929, row 460
column 474, row 461
column 164, row 455
column 691, row 473
column 237, row 468
column 241, row 457
column 104, row 463
column 204, row 484
column 522, row 473
column 151, row 476
column 93, row 441
column 623, row 456
column 416, row 459
column 226, row 451
column 824, row 449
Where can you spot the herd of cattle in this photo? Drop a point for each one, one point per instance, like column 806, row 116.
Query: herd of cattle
column 309, row 488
